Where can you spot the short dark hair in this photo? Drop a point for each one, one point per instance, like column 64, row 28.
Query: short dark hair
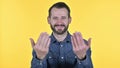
column 59, row 5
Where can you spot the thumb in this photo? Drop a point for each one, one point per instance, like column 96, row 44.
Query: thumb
column 32, row 42
column 89, row 42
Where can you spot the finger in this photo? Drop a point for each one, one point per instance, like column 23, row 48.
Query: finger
column 48, row 43
column 43, row 40
column 46, row 38
column 80, row 38
column 75, row 36
column 39, row 39
column 89, row 42
column 32, row 42
column 74, row 41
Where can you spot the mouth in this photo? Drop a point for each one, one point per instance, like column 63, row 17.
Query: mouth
column 59, row 26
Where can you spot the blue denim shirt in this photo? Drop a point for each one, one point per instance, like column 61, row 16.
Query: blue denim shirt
column 61, row 55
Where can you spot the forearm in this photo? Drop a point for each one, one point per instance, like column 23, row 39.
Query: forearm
column 37, row 63
column 85, row 63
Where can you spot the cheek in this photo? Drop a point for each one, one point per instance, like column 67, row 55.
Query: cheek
column 51, row 22
column 66, row 22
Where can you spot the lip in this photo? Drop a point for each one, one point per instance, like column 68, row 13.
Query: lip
column 59, row 27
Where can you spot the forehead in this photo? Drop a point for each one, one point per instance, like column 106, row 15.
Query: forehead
column 59, row 11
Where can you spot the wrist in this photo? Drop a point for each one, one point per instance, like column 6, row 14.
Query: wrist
column 82, row 58
column 39, row 57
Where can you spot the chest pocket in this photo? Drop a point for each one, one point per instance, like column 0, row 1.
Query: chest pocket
column 71, row 58
column 52, row 60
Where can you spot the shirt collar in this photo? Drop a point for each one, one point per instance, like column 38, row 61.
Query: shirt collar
column 67, row 39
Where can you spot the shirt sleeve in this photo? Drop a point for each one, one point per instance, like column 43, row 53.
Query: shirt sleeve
column 37, row 63
column 87, row 62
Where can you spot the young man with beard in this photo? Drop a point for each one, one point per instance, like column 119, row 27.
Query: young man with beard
column 60, row 49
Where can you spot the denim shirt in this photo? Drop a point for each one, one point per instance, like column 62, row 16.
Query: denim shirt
column 61, row 55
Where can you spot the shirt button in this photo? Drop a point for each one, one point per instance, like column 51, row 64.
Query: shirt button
column 62, row 57
column 79, row 62
column 40, row 62
column 50, row 57
column 61, row 45
column 75, row 56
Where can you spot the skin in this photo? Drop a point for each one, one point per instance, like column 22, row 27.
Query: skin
column 79, row 46
column 41, row 47
column 59, row 21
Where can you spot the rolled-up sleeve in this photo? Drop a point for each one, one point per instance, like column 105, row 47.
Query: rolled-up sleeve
column 37, row 63
column 87, row 62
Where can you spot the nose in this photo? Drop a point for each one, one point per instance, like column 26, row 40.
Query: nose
column 59, row 21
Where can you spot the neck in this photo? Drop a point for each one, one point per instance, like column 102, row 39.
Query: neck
column 60, row 37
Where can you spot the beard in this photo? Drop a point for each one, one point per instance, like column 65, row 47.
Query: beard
column 59, row 31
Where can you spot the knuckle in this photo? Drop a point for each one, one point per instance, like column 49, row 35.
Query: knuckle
column 76, row 50
column 44, row 50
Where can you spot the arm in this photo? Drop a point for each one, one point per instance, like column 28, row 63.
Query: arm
column 37, row 63
column 85, row 63
column 40, row 50
column 82, row 50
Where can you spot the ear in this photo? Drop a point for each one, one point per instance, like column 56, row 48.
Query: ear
column 69, row 20
column 48, row 19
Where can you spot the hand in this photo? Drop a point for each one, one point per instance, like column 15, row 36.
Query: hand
column 42, row 46
column 79, row 46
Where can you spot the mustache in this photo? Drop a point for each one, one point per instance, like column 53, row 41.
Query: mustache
column 59, row 25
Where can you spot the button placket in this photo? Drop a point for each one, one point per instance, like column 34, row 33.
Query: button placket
column 50, row 57
column 61, row 45
column 61, row 52
column 62, row 58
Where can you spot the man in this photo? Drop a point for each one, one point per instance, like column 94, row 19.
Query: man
column 61, row 50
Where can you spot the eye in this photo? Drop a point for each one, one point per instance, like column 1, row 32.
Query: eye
column 55, row 18
column 63, row 17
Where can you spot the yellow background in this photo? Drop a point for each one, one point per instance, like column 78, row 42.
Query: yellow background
column 22, row 19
